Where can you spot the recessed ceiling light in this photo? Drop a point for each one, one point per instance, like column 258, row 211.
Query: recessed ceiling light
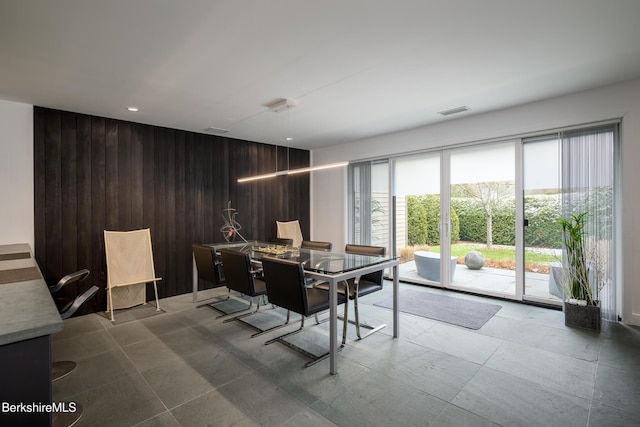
column 134, row 109
column 216, row 130
column 454, row 111
column 289, row 138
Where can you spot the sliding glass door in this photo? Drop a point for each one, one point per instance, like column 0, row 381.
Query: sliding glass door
column 484, row 218
column 542, row 210
column 416, row 197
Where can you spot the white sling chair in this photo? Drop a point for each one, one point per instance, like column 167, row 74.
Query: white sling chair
column 290, row 230
column 129, row 268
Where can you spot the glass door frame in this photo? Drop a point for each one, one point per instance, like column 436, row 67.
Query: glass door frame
column 445, row 218
column 427, row 155
column 519, row 183
column 521, row 207
column 445, row 225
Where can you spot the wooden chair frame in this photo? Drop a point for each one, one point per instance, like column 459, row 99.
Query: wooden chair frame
column 129, row 257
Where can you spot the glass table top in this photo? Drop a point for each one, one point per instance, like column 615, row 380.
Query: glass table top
column 315, row 260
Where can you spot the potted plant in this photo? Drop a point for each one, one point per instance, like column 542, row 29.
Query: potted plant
column 582, row 308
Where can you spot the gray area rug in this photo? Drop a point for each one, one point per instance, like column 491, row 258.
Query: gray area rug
column 457, row 311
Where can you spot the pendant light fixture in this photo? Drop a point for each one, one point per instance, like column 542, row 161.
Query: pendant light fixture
column 278, row 106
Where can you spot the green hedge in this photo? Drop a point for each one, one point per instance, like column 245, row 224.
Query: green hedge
column 543, row 213
column 469, row 221
column 424, row 219
column 416, row 222
column 473, row 225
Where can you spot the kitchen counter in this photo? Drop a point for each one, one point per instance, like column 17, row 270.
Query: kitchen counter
column 28, row 317
column 26, row 307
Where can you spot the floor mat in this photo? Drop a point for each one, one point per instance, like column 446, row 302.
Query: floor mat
column 457, row 311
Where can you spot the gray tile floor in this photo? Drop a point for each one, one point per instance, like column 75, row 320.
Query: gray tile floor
column 185, row 367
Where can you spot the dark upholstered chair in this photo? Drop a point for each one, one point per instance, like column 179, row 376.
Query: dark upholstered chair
column 318, row 246
column 281, row 241
column 359, row 287
column 241, row 277
column 208, row 265
column 313, row 244
column 286, row 288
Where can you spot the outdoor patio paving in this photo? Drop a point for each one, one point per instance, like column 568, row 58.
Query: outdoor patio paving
column 496, row 281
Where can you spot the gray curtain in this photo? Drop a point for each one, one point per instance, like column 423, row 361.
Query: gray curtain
column 588, row 185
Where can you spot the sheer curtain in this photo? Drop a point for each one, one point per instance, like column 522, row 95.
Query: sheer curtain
column 588, row 186
column 360, row 203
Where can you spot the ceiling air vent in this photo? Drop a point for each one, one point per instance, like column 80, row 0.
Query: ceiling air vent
column 454, row 111
column 211, row 129
column 281, row 104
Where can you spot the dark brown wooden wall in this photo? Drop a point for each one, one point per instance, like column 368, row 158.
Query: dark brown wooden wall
column 94, row 173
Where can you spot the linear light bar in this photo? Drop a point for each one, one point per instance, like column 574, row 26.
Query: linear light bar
column 257, row 177
column 317, row 168
column 293, row 171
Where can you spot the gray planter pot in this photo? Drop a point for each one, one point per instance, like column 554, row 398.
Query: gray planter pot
column 585, row 317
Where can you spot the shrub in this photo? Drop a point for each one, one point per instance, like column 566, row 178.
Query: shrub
column 416, row 222
column 543, row 213
column 468, row 221
column 431, row 205
column 472, row 219
column 504, row 220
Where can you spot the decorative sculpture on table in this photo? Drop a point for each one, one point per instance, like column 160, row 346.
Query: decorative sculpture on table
column 231, row 228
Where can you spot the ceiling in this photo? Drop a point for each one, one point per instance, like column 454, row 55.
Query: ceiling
column 356, row 68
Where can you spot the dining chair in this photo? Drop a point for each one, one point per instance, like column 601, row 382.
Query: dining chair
column 210, row 269
column 314, row 244
column 281, row 241
column 286, row 288
column 208, row 264
column 241, row 277
column 290, row 230
column 318, row 246
column 359, row 287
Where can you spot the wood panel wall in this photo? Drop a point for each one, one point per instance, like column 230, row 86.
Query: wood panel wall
column 94, row 173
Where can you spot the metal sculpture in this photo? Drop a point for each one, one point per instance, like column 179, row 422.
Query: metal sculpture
column 231, row 228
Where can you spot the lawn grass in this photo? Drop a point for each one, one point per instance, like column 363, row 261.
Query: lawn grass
column 503, row 257
column 499, row 253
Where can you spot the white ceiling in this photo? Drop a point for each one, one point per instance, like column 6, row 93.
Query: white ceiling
column 356, row 68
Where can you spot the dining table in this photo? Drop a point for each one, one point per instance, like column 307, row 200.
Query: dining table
column 326, row 266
